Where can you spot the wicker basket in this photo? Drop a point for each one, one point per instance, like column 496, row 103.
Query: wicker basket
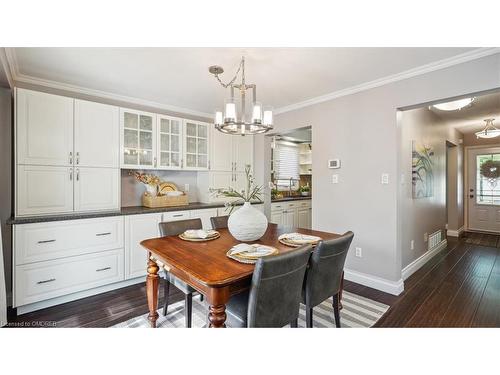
column 164, row 201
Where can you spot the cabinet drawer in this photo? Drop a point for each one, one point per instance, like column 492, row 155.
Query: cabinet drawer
column 304, row 204
column 176, row 215
column 50, row 279
column 277, row 206
column 291, row 205
column 46, row 241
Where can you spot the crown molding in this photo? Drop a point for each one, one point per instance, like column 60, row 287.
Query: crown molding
column 27, row 79
column 431, row 67
column 4, row 61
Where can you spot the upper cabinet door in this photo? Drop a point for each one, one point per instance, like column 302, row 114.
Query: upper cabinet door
column 97, row 135
column 169, row 142
column 97, row 189
column 221, row 151
column 242, row 152
column 196, row 145
column 44, row 129
column 138, row 139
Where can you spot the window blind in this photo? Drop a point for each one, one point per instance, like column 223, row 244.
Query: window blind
column 286, row 161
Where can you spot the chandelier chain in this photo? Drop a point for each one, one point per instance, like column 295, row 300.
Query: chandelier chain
column 226, row 85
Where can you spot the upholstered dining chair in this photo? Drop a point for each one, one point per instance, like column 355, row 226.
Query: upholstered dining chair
column 324, row 275
column 174, row 228
column 219, row 222
column 275, row 292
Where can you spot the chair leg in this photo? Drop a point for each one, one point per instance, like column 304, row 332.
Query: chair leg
column 188, row 307
column 166, row 295
column 336, row 310
column 294, row 323
column 309, row 317
column 201, row 297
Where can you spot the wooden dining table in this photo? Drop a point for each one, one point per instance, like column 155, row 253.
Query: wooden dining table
column 206, row 267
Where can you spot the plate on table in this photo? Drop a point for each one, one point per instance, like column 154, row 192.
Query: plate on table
column 245, row 253
column 196, row 236
column 298, row 239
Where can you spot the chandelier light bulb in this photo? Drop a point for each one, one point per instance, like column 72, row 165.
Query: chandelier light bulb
column 268, row 117
column 257, row 113
column 218, row 118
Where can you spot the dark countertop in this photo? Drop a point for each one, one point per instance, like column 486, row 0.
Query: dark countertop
column 295, row 198
column 135, row 210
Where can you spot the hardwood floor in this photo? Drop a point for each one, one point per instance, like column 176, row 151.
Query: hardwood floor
column 459, row 287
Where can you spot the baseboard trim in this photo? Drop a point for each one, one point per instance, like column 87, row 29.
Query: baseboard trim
column 455, row 233
column 388, row 286
column 414, row 266
column 78, row 295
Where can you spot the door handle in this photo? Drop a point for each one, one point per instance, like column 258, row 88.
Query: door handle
column 71, row 174
column 46, row 241
column 77, row 174
column 103, row 234
column 77, row 158
column 471, row 196
column 102, row 269
column 45, row 281
column 71, row 157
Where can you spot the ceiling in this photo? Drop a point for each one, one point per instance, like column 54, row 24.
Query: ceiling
column 471, row 119
column 179, row 77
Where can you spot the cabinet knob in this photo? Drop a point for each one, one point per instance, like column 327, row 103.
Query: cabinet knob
column 77, row 158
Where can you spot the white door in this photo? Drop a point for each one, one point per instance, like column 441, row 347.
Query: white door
column 44, row 128
column 97, row 189
column 242, row 152
column 221, row 151
column 138, row 139
column 483, row 189
column 97, row 135
column 196, row 145
column 303, row 218
column 220, row 180
column 44, row 190
column 277, row 217
column 169, row 142
column 289, row 218
column 138, row 228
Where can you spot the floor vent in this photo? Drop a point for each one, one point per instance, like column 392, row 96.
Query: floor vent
column 434, row 240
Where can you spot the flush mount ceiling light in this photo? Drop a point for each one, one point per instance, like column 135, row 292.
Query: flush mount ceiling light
column 454, row 105
column 489, row 131
column 234, row 121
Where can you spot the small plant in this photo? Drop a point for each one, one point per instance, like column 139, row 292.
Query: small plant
column 146, row 179
column 304, row 189
column 251, row 193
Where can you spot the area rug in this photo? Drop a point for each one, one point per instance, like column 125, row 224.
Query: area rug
column 358, row 312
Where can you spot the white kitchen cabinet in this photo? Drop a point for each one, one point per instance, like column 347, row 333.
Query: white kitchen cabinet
column 221, row 151
column 196, row 145
column 44, row 190
column 242, row 152
column 277, row 217
column 295, row 213
column 138, row 139
column 170, row 132
column 44, row 129
column 137, row 229
column 304, row 218
column 97, row 135
column 97, row 189
column 289, row 218
column 204, row 215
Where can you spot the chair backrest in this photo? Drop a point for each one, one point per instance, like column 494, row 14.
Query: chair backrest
column 276, row 289
column 173, row 228
column 324, row 274
column 219, row 222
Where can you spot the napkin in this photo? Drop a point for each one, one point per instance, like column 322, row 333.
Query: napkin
column 300, row 238
column 250, row 250
column 198, row 233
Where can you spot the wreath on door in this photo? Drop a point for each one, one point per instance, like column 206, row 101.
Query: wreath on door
column 490, row 169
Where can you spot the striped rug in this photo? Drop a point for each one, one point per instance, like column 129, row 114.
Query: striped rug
column 358, row 312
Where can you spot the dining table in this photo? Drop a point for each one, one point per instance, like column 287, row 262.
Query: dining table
column 205, row 266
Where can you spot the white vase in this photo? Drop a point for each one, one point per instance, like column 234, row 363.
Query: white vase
column 152, row 190
column 247, row 223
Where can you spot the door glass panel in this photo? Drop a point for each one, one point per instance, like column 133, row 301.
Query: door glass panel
column 146, row 140
column 165, row 142
column 191, row 160
column 174, row 127
column 191, row 129
column 174, row 143
column 487, row 179
column 165, row 159
column 174, row 161
column 130, row 157
column 202, row 161
column 191, row 145
column 146, row 158
column 202, row 131
column 130, row 120
column 130, row 138
column 164, row 125
column 146, row 122
column 202, row 146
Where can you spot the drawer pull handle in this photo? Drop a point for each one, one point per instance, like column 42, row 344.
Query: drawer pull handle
column 179, row 215
column 103, row 234
column 46, row 241
column 46, row 281
column 102, row 269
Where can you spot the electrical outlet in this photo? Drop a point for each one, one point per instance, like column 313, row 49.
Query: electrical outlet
column 359, row 253
column 426, row 237
column 384, row 179
column 412, row 245
column 186, row 187
column 335, row 179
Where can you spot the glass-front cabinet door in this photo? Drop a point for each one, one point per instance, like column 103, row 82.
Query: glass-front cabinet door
column 138, row 131
column 196, row 145
column 169, row 142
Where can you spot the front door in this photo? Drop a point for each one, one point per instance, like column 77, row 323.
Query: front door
column 484, row 189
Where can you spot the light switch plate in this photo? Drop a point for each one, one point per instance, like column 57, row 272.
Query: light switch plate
column 334, row 163
column 335, row 179
column 385, row 178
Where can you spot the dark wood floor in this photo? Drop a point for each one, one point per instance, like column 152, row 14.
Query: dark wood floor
column 459, row 287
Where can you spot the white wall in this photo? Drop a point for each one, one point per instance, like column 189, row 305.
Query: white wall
column 362, row 130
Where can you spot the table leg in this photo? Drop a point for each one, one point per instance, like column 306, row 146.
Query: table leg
column 152, row 280
column 217, row 299
column 341, row 289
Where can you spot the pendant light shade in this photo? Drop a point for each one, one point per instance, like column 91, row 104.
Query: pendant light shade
column 489, row 131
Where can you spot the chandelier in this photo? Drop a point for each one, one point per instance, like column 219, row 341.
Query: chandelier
column 489, row 131
column 238, row 121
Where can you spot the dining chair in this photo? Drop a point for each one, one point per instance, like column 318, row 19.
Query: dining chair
column 174, row 228
column 219, row 222
column 324, row 275
column 275, row 292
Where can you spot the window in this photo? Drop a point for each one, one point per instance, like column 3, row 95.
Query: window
column 286, row 165
column 487, row 179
